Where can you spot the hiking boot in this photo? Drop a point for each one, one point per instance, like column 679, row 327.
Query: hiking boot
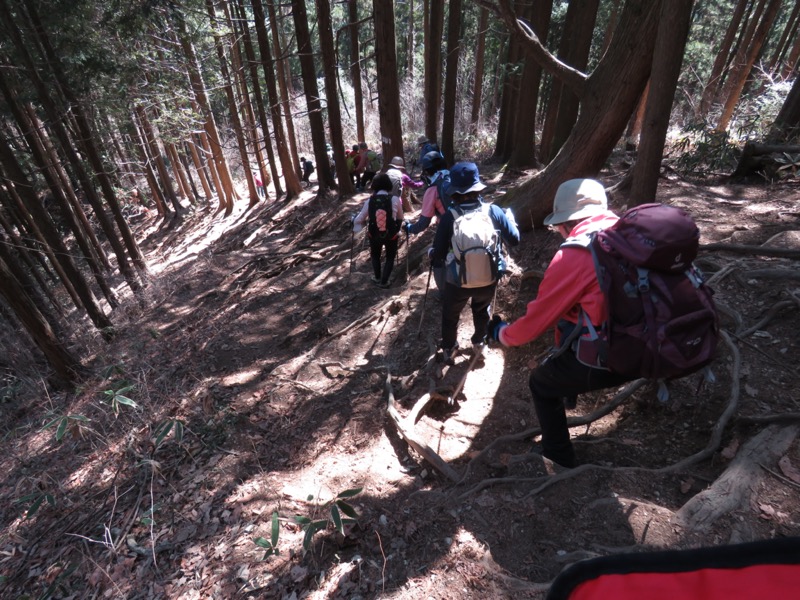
column 375, row 280
column 449, row 355
column 383, row 284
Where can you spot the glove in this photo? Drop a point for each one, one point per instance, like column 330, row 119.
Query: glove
column 493, row 329
column 430, row 253
column 406, row 226
column 352, row 219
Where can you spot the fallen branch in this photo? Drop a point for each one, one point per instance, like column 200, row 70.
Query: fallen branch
column 406, row 431
column 770, row 314
column 769, row 419
column 778, row 274
column 751, row 250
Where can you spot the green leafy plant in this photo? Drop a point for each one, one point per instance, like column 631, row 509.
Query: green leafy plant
column 36, row 499
column 62, row 424
column 335, row 508
column 117, row 397
column 163, row 429
column 790, row 164
column 271, row 544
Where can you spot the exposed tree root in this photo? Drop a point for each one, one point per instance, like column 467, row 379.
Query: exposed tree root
column 783, row 418
column 775, row 274
column 732, row 490
column 751, row 250
column 770, row 314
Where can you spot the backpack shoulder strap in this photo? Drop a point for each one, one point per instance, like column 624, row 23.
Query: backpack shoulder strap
column 583, row 240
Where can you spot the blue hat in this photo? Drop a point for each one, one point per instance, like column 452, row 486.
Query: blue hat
column 464, row 178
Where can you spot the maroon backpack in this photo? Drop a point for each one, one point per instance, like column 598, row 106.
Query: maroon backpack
column 661, row 320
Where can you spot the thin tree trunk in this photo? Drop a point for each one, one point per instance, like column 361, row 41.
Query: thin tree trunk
column 508, row 100
column 199, row 166
column 784, row 43
column 155, row 154
column 313, row 105
column 283, row 72
column 410, row 46
column 451, row 80
column 150, row 175
column 66, row 366
column 433, row 67
column 331, row 95
column 355, row 67
column 290, row 177
column 477, row 82
column 673, row 30
column 738, row 78
column 712, row 86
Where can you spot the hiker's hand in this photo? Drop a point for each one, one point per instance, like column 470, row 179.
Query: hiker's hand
column 430, row 253
column 493, row 329
column 406, row 226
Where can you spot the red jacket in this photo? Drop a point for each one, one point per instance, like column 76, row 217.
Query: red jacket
column 569, row 283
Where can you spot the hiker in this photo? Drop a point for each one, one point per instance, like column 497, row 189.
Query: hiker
column 383, row 214
column 308, row 169
column 259, row 184
column 368, row 164
column 425, row 146
column 568, row 287
column 479, row 229
column 402, row 184
column 434, row 203
column 351, row 156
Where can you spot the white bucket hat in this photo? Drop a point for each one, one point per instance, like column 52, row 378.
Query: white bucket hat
column 577, row 199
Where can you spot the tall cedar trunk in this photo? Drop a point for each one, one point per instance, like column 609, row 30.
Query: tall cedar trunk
column 252, row 66
column 737, row 80
column 177, row 169
column 290, row 176
column 712, row 86
column 331, row 95
column 207, row 155
column 223, row 182
column 40, row 157
column 54, row 116
column 243, row 94
column 311, row 91
column 50, row 237
column 155, row 154
column 233, row 109
column 634, row 129
column 25, row 255
column 410, row 41
column 199, row 167
column 576, row 40
column 66, row 366
column 355, row 66
column 508, row 100
column 433, row 66
column 451, row 80
column 784, row 43
column 88, row 141
column 57, row 165
column 791, row 62
column 608, row 98
column 477, row 82
column 147, row 166
column 386, row 66
column 283, row 71
column 673, row 29
column 523, row 146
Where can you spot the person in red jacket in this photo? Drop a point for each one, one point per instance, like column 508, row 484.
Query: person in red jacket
column 568, row 294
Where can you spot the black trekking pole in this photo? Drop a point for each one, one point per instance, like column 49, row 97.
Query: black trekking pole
column 424, row 300
column 408, row 249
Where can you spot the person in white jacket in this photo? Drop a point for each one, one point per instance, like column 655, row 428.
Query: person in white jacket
column 382, row 214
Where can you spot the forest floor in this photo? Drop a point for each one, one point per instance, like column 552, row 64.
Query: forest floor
column 263, row 364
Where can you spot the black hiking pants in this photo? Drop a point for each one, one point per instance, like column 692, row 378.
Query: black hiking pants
column 454, row 299
column 556, row 378
column 375, row 250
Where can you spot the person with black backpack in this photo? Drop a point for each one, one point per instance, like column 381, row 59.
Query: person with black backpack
column 383, row 214
column 469, row 240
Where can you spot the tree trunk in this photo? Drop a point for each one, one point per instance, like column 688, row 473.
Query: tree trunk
column 252, row 66
column 433, row 67
column 155, row 153
column 290, row 177
column 673, row 30
column 784, row 43
column 309, row 75
column 410, row 40
column 199, row 166
column 477, row 82
column 509, row 100
column 712, row 86
column 66, row 366
column 224, row 184
column 283, row 70
column 605, row 110
column 451, row 81
column 331, row 95
column 386, row 66
column 355, row 67
column 523, row 143
column 147, row 166
column 738, row 78
column 787, row 124
column 574, row 47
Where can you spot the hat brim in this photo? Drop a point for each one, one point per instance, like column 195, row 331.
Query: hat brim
column 556, row 218
column 475, row 187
